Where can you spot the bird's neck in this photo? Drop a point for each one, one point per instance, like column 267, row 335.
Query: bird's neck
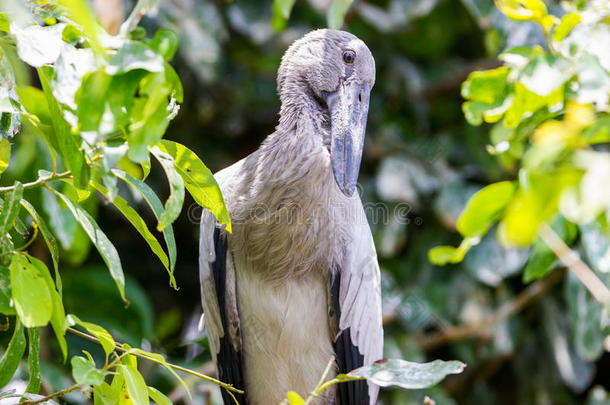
column 302, row 114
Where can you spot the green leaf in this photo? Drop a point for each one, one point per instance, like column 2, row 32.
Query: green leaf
column 199, row 180
column 136, row 386
column 174, row 203
column 485, row 208
column 294, row 398
column 100, row 240
column 442, row 255
column 542, row 259
column 48, row 237
column 159, row 397
column 138, row 223
column 165, row 43
column 85, row 372
column 12, row 356
column 406, row 374
column 134, row 55
column 31, row 293
column 157, row 207
column 105, row 338
column 336, row 13
column 567, row 23
column 6, row 294
column 5, row 154
column 58, row 316
column 487, row 86
column 67, row 143
column 33, row 361
column 10, row 209
column 281, row 13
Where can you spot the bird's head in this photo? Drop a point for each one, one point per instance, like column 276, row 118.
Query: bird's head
column 334, row 71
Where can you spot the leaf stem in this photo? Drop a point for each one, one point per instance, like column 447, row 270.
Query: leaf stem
column 226, row 386
column 573, row 261
column 57, row 394
column 41, row 181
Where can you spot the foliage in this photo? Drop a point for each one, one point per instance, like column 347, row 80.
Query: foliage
column 105, row 103
column 523, row 343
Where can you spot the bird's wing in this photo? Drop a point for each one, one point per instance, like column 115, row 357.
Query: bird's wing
column 356, row 297
column 218, row 295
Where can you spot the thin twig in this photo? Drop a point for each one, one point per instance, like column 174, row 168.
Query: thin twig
column 573, row 261
column 38, row 182
column 54, row 395
column 319, row 388
column 529, row 294
column 226, row 386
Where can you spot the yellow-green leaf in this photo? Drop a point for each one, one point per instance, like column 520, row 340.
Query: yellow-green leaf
column 199, row 180
column 5, row 154
column 485, row 208
column 31, row 293
column 294, row 398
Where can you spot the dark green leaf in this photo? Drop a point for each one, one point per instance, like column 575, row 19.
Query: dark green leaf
column 67, row 143
column 157, row 207
column 33, row 361
column 12, row 356
column 100, row 240
column 48, row 237
column 138, row 223
column 10, row 209
column 174, row 203
column 5, row 292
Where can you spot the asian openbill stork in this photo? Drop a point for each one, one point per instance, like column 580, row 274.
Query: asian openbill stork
column 297, row 281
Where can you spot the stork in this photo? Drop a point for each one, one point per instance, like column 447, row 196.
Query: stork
column 297, row 282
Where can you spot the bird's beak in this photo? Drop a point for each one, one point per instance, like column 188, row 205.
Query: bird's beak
column 348, row 107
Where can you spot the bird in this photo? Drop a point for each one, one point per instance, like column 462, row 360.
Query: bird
column 297, row 282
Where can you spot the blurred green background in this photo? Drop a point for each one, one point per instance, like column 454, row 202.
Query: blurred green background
column 422, row 162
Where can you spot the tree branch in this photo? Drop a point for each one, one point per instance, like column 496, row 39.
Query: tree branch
column 39, row 182
column 573, row 261
column 481, row 329
column 54, row 395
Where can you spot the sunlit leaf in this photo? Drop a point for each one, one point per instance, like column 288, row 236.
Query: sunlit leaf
column 58, row 316
column 105, row 338
column 406, row 374
column 485, row 208
column 165, row 43
column 136, row 386
column 134, row 55
column 31, row 293
column 159, row 397
column 199, row 180
column 36, row 45
column 294, row 398
column 5, row 154
column 567, row 23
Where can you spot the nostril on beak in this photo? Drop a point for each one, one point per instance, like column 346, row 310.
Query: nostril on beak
column 360, row 97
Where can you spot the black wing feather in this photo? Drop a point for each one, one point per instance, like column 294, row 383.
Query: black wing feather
column 348, row 355
column 229, row 360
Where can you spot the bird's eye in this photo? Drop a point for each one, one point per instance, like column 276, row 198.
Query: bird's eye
column 349, row 56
